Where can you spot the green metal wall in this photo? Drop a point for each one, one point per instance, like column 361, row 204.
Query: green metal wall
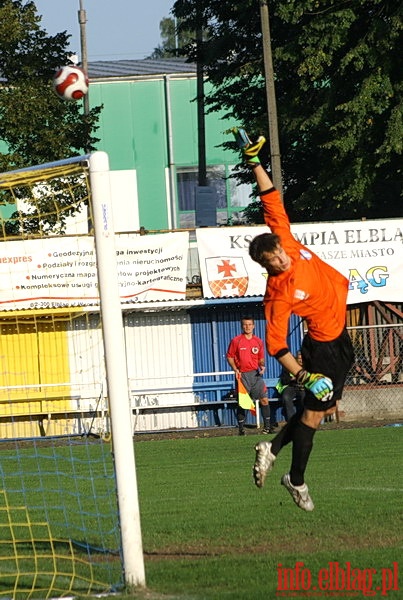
column 134, row 132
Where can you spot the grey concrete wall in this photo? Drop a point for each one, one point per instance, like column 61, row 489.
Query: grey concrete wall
column 382, row 402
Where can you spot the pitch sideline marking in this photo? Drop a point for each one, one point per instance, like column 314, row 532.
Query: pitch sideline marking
column 371, row 489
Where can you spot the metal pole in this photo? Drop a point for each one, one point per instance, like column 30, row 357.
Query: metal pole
column 200, row 99
column 172, row 213
column 82, row 19
column 271, row 97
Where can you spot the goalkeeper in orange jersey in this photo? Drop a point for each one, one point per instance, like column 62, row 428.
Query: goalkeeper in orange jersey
column 299, row 282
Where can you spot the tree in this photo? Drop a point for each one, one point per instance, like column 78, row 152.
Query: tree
column 172, row 41
column 339, row 96
column 35, row 124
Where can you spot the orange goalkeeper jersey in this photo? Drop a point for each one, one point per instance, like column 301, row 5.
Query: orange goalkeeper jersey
column 310, row 288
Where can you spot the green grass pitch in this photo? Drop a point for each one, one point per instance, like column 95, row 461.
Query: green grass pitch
column 209, row 533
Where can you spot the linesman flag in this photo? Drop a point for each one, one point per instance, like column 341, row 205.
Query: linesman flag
column 244, row 400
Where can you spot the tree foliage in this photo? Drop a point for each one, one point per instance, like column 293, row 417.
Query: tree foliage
column 339, row 95
column 35, row 125
column 173, row 41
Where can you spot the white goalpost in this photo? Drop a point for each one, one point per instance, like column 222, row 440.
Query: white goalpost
column 69, row 509
column 116, row 370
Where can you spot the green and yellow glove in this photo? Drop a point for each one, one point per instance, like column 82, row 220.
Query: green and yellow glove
column 320, row 385
column 250, row 150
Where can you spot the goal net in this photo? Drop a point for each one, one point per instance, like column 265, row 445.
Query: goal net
column 69, row 521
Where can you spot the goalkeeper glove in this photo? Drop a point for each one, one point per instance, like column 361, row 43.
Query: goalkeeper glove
column 320, row 385
column 250, row 149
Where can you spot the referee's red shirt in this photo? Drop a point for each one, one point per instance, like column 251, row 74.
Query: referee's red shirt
column 246, row 353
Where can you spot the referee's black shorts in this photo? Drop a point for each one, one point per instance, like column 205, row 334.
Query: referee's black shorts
column 333, row 359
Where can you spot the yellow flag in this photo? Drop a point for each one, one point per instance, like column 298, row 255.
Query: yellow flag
column 244, row 400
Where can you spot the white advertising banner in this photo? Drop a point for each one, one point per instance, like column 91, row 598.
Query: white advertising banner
column 368, row 253
column 61, row 272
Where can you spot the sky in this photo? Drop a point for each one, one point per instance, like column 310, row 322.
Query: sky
column 115, row 29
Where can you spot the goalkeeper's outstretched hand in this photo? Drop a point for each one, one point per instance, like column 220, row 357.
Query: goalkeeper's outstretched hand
column 320, row 385
column 250, row 149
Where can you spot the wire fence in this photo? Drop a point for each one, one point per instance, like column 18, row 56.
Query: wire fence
column 374, row 386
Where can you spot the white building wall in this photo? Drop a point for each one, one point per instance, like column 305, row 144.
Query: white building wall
column 87, row 365
column 159, row 356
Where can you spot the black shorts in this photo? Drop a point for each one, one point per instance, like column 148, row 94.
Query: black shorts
column 333, row 359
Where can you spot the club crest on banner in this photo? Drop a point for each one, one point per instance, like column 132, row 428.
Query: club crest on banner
column 227, row 276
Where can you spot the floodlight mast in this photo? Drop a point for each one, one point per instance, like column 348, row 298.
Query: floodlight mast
column 271, row 97
column 82, row 19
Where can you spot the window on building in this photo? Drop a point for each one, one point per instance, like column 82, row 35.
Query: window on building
column 231, row 198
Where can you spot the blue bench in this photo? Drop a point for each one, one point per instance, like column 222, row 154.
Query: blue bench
column 220, row 403
column 213, row 406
